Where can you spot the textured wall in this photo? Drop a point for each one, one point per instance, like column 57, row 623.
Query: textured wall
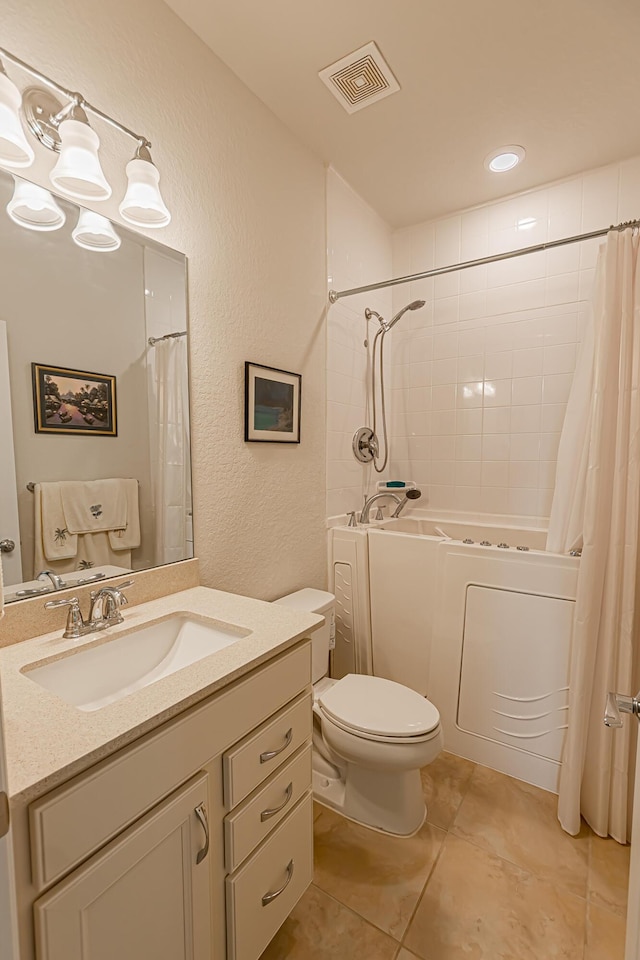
column 248, row 211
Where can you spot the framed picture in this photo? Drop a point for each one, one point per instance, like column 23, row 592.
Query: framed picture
column 271, row 404
column 73, row 401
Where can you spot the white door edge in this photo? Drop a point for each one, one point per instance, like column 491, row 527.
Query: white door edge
column 9, row 521
column 8, row 906
column 632, row 951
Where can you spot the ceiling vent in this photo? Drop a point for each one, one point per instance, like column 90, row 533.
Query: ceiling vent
column 360, row 78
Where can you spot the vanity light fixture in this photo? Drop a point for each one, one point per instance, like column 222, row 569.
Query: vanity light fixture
column 34, row 207
column 95, row 232
column 504, row 158
column 15, row 149
column 63, row 126
column 143, row 205
column 78, row 173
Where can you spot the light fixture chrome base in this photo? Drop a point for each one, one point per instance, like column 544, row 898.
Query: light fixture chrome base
column 364, row 445
column 41, row 109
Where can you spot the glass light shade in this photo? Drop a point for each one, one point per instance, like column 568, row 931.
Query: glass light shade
column 78, row 173
column 15, row 149
column 33, row 207
column 95, row 232
column 143, row 205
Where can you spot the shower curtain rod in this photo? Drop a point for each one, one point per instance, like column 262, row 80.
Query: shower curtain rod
column 168, row 336
column 335, row 295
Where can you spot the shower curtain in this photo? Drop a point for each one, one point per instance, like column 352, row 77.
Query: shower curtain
column 171, row 471
column 596, row 507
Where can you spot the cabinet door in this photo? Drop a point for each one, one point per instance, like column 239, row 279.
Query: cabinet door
column 144, row 895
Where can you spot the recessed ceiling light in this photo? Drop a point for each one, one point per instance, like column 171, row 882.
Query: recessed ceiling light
column 503, row 159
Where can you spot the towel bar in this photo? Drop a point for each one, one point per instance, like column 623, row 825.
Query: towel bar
column 31, row 486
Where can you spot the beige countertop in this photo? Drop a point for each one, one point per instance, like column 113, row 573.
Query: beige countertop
column 48, row 740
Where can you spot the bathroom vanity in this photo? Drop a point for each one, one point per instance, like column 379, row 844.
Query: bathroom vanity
column 175, row 821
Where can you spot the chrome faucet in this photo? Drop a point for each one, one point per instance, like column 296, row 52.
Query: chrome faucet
column 104, row 611
column 364, row 516
column 56, row 581
column 106, row 603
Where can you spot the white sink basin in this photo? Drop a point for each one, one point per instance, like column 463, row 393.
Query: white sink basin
column 95, row 677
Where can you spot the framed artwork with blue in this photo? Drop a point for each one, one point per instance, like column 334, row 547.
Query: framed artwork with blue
column 271, row 404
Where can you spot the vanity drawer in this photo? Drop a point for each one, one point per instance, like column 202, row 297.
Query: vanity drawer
column 254, row 819
column 253, row 759
column 263, row 892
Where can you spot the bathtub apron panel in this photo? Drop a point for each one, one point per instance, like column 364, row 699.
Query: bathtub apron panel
column 500, row 658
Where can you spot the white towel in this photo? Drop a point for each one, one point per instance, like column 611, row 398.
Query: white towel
column 129, row 537
column 94, row 506
column 53, row 539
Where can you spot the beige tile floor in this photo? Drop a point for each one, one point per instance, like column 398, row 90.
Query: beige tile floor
column 490, row 876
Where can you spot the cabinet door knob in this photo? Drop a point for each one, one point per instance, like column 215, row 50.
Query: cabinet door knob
column 270, row 897
column 201, row 814
column 270, row 754
column 267, row 814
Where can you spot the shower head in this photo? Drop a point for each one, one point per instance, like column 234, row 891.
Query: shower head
column 414, row 305
column 409, row 495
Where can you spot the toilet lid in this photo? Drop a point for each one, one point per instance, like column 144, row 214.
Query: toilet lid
column 380, row 707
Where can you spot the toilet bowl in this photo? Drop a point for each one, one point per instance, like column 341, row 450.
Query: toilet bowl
column 371, row 737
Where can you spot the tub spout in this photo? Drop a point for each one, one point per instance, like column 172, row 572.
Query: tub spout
column 364, row 516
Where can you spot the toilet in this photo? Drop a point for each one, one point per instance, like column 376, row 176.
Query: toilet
column 371, row 736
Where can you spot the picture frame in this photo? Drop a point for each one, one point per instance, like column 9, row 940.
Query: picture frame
column 73, row 402
column 272, row 404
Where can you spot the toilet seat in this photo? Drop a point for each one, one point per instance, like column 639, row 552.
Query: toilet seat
column 374, row 708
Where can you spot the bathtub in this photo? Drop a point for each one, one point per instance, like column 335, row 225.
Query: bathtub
column 482, row 628
column 508, row 535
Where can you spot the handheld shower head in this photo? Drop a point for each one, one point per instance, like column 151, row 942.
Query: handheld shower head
column 409, row 495
column 414, row 305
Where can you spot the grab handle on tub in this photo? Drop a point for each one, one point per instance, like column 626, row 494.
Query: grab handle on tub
column 441, row 533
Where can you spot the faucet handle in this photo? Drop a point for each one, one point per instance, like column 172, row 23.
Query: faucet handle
column 75, row 623
column 352, row 519
column 73, row 602
column 123, row 586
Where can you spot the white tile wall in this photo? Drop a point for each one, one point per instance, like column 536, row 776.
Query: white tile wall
column 359, row 252
column 481, row 376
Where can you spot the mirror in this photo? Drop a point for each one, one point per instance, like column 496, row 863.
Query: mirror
column 95, row 474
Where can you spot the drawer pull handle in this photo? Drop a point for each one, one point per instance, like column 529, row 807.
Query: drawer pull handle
column 201, row 814
column 267, row 814
column 270, row 897
column 270, row 754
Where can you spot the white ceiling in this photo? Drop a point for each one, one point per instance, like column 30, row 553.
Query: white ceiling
column 558, row 77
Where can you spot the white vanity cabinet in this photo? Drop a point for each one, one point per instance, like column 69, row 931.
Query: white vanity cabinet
column 147, row 894
column 192, row 843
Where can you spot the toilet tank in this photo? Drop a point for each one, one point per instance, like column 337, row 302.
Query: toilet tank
column 323, row 639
